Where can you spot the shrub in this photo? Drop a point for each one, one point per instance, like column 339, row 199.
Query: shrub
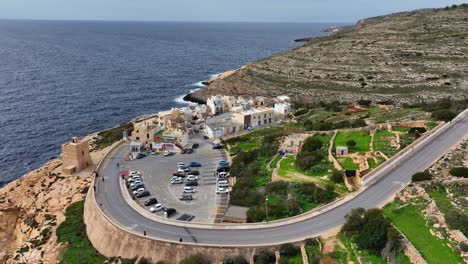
column 312, row 144
column 289, row 250
column 464, row 246
column 144, row 261
column 264, row 257
column 305, row 160
column 196, row 259
column 337, row 176
column 255, row 214
column 301, row 112
column 421, row 176
column 417, row 131
column 239, row 260
column 444, row 115
column 364, row 102
column 458, row 221
column 351, row 143
column 459, row 172
column 354, row 221
column 373, row 235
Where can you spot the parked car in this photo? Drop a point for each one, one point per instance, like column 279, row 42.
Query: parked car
column 222, row 169
column 186, row 197
column 223, row 174
column 177, row 181
column 168, row 212
column 181, row 164
column 205, row 137
column 250, row 128
column 153, row 152
column 195, row 164
column 183, row 151
column 194, row 173
column 178, row 174
column 139, row 190
column 168, row 154
column 189, row 190
column 223, row 163
column 224, row 185
column 140, row 156
column 158, row 207
column 196, row 145
column 139, row 186
column 196, row 131
column 175, row 178
column 135, row 183
column 223, row 182
column 186, row 169
column 192, row 178
column 151, row 201
column 222, row 190
column 142, row 194
column 189, row 151
column 192, row 183
column 218, row 146
column 131, row 173
column 133, row 179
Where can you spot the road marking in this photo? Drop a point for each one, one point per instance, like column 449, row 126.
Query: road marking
column 133, row 226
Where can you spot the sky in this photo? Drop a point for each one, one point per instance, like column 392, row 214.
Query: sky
column 326, row 11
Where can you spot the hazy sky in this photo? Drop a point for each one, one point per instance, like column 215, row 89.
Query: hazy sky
column 210, row 10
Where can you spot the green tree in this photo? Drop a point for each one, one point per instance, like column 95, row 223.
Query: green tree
column 312, row 144
column 239, row 260
column 265, row 257
column 354, row 221
column 444, row 115
column 459, row 172
column 421, row 176
column 196, row 259
column 337, row 176
column 351, row 143
column 289, row 250
column 373, row 235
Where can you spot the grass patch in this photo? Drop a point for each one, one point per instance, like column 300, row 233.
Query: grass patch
column 348, row 164
column 293, row 259
column 72, row 232
column 108, row 137
column 400, row 129
column 362, row 139
column 274, row 163
column 413, row 225
column 382, row 142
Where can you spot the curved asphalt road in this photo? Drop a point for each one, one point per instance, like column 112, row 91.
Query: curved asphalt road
column 117, row 209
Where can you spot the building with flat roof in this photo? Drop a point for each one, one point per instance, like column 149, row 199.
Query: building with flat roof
column 236, row 214
column 221, row 125
column 255, row 117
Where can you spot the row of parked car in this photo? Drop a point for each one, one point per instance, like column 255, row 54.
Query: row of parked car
column 136, row 185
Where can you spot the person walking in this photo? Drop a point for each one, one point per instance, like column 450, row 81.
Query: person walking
column 144, row 233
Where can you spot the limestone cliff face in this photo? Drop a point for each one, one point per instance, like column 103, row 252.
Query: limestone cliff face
column 32, row 207
column 404, row 57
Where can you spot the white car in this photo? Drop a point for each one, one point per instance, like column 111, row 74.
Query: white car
column 177, row 181
column 138, row 191
column 223, row 185
column 135, row 183
column 134, row 179
column 181, row 164
column 189, row 190
column 134, row 173
column 156, row 208
column 223, row 174
column 192, row 178
column 175, row 178
column 222, row 190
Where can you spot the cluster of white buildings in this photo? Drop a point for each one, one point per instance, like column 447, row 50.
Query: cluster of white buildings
column 231, row 115
column 223, row 115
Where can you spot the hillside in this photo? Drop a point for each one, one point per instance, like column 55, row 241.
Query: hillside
column 405, row 57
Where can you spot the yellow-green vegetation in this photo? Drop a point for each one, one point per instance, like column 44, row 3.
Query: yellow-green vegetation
column 362, row 139
column 108, row 137
column 409, row 220
column 348, row 164
column 400, row 129
column 383, row 142
column 274, row 163
column 431, row 124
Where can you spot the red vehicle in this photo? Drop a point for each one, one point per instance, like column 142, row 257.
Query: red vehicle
column 178, row 174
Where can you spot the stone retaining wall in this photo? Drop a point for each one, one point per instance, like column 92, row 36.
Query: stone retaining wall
column 110, row 240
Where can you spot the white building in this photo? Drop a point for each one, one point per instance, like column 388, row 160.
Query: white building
column 282, row 108
column 221, row 125
column 255, row 117
column 216, row 104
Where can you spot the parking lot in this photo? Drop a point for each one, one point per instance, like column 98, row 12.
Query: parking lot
column 157, row 171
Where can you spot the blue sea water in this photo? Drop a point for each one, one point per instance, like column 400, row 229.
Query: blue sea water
column 59, row 79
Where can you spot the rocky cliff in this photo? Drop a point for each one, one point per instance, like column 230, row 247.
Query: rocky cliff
column 405, row 57
column 32, row 207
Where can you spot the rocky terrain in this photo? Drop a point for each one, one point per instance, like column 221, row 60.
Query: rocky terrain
column 32, row 207
column 405, row 57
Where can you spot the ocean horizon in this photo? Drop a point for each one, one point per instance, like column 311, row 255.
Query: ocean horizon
column 71, row 78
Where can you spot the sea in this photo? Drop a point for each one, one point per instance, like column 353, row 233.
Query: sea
column 60, row 79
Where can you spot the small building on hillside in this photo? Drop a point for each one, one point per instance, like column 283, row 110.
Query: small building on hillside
column 341, row 151
column 136, row 147
column 221, row 125
column 75, row 156
column 236, row 214
column 216, row 104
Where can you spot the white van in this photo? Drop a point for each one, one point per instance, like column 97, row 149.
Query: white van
column 223, row 182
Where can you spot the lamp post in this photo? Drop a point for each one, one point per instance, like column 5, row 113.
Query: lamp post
column 266, row 208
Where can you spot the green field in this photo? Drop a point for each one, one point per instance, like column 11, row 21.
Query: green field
column 348, row 164
column 362, row 139
column 382, row 142
column 274, row 163
column 409, row 221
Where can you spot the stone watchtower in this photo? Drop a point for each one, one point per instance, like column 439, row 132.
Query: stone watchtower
column 75, row 156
